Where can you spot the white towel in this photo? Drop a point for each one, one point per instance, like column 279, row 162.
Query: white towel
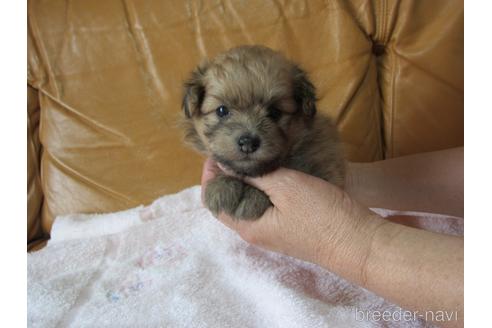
column 172, row 264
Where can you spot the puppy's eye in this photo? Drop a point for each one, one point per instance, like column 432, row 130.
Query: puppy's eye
column 274, row 113
column 222, row 111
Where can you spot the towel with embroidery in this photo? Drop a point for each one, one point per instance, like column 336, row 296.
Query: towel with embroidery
column 171, row 264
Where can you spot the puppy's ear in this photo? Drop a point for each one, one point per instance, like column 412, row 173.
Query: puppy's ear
column 194, row 91
column 304, row 93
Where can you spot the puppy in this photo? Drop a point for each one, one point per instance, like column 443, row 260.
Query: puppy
column 252, row 111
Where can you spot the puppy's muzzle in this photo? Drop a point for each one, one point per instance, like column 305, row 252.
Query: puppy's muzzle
column 248, row 143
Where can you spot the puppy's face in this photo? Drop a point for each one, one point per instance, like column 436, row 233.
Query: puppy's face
column 247, row 108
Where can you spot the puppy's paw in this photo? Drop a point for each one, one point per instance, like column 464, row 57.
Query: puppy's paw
column 253, row 204
column 223, row 194
column 235, row 198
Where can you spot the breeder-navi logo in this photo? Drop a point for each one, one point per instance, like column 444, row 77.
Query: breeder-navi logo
column 404, row 315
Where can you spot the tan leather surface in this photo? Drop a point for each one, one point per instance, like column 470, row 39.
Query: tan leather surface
column 34, row 190
column 109, row 75
column 421, row 76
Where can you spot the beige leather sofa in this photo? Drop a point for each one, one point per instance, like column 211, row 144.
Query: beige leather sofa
column 105, row 83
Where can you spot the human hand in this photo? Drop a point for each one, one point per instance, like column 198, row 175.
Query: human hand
column 315, row 221
column 310, row 219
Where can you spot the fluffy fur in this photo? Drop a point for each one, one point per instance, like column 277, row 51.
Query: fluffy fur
column 266, row 97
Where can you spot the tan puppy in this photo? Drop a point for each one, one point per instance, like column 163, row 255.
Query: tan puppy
column 252, row 111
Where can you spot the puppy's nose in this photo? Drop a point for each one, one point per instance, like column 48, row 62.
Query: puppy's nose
column 248, row 143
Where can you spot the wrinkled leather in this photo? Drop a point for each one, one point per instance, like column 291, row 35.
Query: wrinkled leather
column 34, row 190
column 421, row 76
column 109, row 78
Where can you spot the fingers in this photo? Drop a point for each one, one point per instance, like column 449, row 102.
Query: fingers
column 277, row 180
column 268, row 181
